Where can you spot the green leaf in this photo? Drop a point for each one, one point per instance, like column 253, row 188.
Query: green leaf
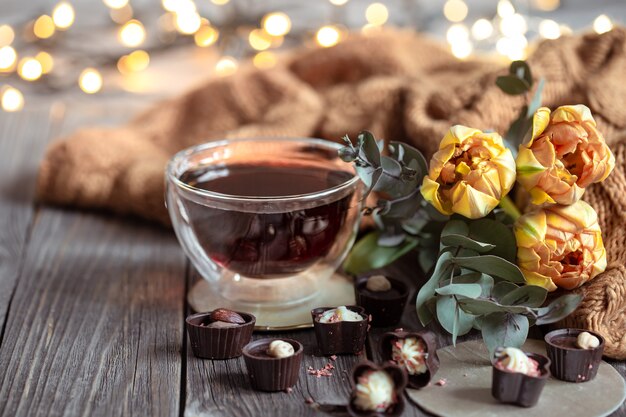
column 367, row 254
column 503, row 329
column 455, row 227
column 482, row 306
column 495, row 233
column 485, row 281
column 466, row 290
column 502, row 288
column 410, row 156
column 427, row 259
column 443, row 269
column 404, row 207
column 454, row 320
column 369, row 176
column 521, row 70
column 512, row 85
column 558, row 309
column 466, row 242
column 492, row 265
column 527, row 295
column 368, row 149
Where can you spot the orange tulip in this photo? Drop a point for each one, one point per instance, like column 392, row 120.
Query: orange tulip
column 469, row 174
column 560, row 246
column 565, row 154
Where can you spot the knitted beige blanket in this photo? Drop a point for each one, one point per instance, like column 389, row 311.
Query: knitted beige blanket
column 398, row 84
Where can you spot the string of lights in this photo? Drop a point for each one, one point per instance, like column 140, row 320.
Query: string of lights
column 504, row 34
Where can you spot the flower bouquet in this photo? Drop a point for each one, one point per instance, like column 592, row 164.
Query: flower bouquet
column 489, row 266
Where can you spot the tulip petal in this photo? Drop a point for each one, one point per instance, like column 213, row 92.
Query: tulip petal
column 530, row 229
column 541, row 119
column 430, row 192
column 575, row 113
column 457, row 135
column 470, row 202
column 533, row 278
column 505, row 164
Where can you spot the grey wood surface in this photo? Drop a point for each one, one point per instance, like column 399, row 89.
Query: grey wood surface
column 92, row 307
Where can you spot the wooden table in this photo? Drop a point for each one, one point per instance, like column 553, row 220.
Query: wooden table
column 92, row 306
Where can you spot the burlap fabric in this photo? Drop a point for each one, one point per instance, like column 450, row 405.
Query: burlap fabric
column 399, row 85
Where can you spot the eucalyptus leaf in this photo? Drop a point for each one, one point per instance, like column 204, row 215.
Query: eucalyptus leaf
column 347, row 154
column 466, row 242
column 367, row 254
column 390, row 240
column 502, row 288
column 482, row 306
column 512, row 85
column 527, row 295
column 454, row 320
column 485, row 281
column 427, row 258
column 368, row 148
column 503, row 329
column 558, row 309
column 466, row 290
column 455, row 227
column 520, row 69
column 492, row 265
column 369, row 176
column 443, row 269
column 497, row 234
column 410, row 156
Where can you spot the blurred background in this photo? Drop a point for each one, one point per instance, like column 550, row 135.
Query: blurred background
column 152, row 48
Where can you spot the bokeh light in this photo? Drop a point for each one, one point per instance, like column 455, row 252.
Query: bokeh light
column 264, row 60
column 227, row 65
column 188, row 22
column 136, row 61
column 115, row 4
column 338, row 2
column 259, row 39
column 377, row 14
column 29, row 69
column 90, row 81
column 328, row 36
column 7, row 34
column 220, row 2
column 44, row 27
column 602, row 24
column 546, row 5
column 455, row 10
column 63, row 15
column 12, row 99
column 207, row 35
column 482, row 29
column 513, row 25
column 457, row 33
column 8, row 57
column 121, row 15
column 46, row 61
column 132, row 33
column 276, row 23
column 505, row 8
column 549, row 29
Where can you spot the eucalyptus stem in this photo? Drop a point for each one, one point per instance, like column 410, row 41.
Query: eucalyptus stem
column 509, row 207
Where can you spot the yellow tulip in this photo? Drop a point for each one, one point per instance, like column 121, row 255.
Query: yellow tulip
column 565, row 154
column 469, row 174
column 560, row 246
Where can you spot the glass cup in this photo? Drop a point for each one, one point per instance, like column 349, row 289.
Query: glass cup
column 252, row 241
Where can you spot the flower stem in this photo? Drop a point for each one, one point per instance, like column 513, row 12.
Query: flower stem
column 509, row 207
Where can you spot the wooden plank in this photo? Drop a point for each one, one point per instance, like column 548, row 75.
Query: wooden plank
column 23, row 136
column 95, row 326
column 221, row 388
column 96, row 322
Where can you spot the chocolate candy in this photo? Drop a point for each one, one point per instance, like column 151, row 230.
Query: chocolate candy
column 219, row 339
column 570, row 362
column 414, row 351
column 339, row 337
column 269, row 373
